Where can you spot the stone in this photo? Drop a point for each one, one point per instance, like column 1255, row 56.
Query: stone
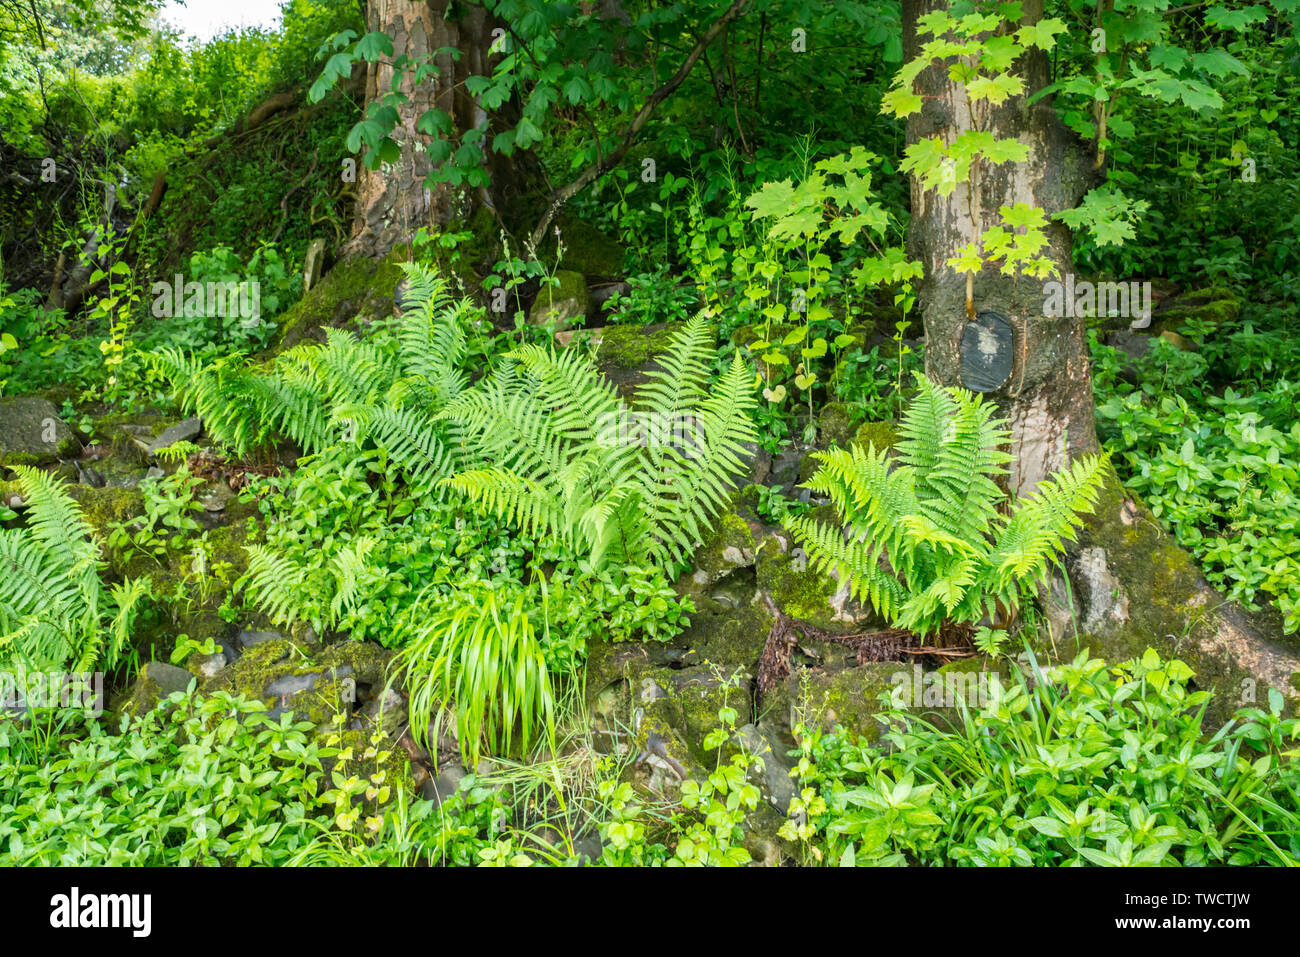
column 563, row 305
column 847, row 698
column 156, row 681
column 627, row 352
column 443, row 785
column 31, row 432
column 207, row 666
column 1217, row 305
column 357, row 289
column 250, row 639
column 182, row 431
column 835, row 425
column 587, row 250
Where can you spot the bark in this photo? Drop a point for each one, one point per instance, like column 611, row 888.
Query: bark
column 1048, row 397
column 393, row 202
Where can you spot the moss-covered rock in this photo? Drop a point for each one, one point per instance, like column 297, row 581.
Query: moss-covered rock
column 586, row 249
column 562, row 305
column 104, row 507
column 834, row 425
column 877, row 435
column 732, row 544
column 848, row 698
column 1218, row 305
column 31, row 432
column 627, row 352
column 357, row 287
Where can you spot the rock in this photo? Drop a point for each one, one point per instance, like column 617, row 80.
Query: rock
column 357, row 288
column 835, row 425
column 586, row 249
column 1217, row 305
column 1132, row 587
column 626, row 353
column 787, row 579
column 443, row 785
column 386, row 710
column 880, row 436
column 848, row 698
column 292, row 674
column 156, row 681
column 730, row 546
column 206, row 666
column 31, row 432
column 760, row 464
column 182, row 431
column 773, row 779
column 786, row 466
column 251, row 639
column 104, row 507
column 563, row 305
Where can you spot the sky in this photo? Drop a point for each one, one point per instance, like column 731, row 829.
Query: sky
column 204, row 19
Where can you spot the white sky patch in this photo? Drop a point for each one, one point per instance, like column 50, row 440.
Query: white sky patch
column 204, row 19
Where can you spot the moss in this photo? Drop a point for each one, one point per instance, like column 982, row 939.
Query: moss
column 731, row 545
column 848, row 699
column 103, row 507
column 760, row 332
column 586, row 249
column 1217, row 304
column 834, row 425
column 10, row 459
column 356, row 286
column 564, row 305
column 795, row 587
column 1162, row 599
column 877, row 435
column 629, row 346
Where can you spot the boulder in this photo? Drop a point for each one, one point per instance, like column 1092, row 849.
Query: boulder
column 31, row 432
column 1218, row 305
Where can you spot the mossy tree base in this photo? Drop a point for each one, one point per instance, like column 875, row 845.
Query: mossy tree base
column 1132, row 587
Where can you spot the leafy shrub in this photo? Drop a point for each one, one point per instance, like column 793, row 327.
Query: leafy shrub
column 1219, row 470
column 1084, row 765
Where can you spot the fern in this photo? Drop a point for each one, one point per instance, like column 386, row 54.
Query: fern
column 54, row 611
column 923, row 539
column 386, row 391
column 558, row 452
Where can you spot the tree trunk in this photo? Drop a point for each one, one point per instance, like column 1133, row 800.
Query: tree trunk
column 393, row 201
column 1047, row 395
